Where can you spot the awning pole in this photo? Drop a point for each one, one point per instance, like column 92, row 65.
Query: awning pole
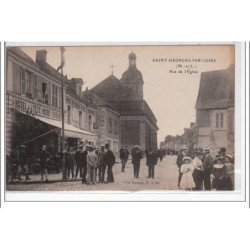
column 40, row 136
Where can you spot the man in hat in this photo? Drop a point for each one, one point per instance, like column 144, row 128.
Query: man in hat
column 101, row 164
column 44, row 158
column 91, row 165
column 81, row 162
column 207, row 165
column 181, row 155
column 109, row 161
column 124, row 154
column 136, row 160
column 152, row 158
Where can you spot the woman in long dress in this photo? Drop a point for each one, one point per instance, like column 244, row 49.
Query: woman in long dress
column 187, row 168
column 198, row 169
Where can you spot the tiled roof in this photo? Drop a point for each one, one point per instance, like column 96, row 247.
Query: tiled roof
column 216, row 89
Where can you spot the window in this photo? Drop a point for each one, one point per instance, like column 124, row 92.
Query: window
column 29, row 82
column 80, row 119
column 89, row 122
column 110, row 125
column 220, row 122
column 23, row 82
column 54, row 95
column 69, row 114
column 35, row 89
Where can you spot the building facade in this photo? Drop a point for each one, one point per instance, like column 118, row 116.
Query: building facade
column 138, row 123
column 34, row 105
column 215, row 110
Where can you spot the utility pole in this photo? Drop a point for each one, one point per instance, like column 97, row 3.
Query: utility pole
column 62, row 135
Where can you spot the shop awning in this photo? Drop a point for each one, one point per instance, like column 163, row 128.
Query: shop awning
column 69, row 130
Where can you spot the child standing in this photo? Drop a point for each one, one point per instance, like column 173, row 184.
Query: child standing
column 187, row 168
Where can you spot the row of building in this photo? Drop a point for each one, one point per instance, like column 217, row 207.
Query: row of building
column 113, row 112
column 215, row 110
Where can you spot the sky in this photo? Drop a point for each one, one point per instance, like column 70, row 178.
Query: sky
column 171, row 96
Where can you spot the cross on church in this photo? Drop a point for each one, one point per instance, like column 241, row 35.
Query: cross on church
column 112, row 66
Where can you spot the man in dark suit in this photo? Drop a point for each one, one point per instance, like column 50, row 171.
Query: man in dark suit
column 181, row 155
column 208, row 164
column 109, row 161
column 124, row 154
column 136, row 160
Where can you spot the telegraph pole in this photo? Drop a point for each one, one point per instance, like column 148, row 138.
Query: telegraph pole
column 62, row 135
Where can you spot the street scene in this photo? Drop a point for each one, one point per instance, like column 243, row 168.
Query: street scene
column 145, row 118
column 166, row 174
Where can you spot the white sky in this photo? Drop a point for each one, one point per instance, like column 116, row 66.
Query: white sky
column 172, row 97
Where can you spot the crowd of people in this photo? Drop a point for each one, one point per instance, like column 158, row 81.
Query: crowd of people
column 95, row 165
column 204, row 172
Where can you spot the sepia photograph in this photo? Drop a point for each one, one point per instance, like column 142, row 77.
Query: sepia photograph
column 130, row 117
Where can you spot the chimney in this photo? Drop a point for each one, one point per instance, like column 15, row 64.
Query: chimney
column 41, row 55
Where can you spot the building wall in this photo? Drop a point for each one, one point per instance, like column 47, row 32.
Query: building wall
column 130, row 133
column 107, row 134
column 214, row 136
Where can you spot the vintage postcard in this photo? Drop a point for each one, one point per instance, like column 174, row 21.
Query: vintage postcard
column 125, row 122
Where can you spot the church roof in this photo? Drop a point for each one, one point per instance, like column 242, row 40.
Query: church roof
column 112, row 90
column 132, row 74
column 216, row 89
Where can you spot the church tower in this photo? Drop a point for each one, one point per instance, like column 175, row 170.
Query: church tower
column 133, row 78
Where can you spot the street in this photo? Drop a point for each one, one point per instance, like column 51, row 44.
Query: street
column 166, row 174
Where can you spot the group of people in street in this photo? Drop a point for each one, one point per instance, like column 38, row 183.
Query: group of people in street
column 200, row 171
column 90, row 163
column 204, row 172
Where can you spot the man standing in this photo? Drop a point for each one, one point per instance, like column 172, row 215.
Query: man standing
column 124, row 154
column 44, row 157
column 207, row 165
column 109, row 161
column 91, row 165
column 70, row 160
column 101, row 164
column 81, row 162
column 152, row 158
column 181, row 155
column 136, row 160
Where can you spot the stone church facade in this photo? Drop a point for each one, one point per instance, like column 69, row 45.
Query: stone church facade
column 138, row 122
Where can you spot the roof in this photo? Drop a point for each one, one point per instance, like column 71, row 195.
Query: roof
column 51, row 71
column 113, row 90
column 20, row 53
column 216, row 89
column 132, row 74
column 96, row 100
column 72, row 93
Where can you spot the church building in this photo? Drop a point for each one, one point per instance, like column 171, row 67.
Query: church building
column 138, row 122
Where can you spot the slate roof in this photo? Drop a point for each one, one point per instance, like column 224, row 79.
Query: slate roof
column 216, row 89
column 112, row 90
